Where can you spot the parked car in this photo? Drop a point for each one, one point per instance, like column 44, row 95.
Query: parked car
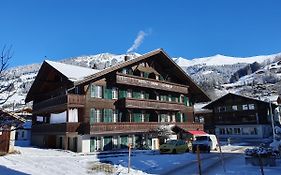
column 174, row 146
column 205, row 142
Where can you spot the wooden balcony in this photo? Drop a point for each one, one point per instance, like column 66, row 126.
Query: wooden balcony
column 129, row 127
column 150, row 83
column 55, row 128
column 151, row 104
column 59, row 102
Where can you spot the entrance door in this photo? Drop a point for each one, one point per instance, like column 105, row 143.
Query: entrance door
column 75, row 144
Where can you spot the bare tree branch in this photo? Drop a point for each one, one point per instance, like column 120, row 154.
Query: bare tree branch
column 6, row 88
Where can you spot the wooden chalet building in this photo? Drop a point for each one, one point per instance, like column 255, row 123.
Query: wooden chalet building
column 239, row 116
column 87, row 110
column 9, row 122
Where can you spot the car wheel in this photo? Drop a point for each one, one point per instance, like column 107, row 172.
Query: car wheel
column 174, row 151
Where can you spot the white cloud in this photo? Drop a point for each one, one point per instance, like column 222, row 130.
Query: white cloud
column 137, row 41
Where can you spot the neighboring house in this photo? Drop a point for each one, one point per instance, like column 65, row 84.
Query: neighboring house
column 240, row 117
column 204, row 116
column 8, row 123
column 87, row 110
column 23, row 134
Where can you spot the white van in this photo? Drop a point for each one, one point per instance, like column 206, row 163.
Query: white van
column 206, row 142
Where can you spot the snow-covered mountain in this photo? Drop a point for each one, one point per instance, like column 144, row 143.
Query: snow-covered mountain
column 223, row 60
column 213, row 73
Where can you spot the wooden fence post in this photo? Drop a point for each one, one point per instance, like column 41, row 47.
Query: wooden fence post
column 198, row 160
column 129, row 158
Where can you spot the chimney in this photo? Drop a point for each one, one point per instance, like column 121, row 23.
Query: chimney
column 126, row 58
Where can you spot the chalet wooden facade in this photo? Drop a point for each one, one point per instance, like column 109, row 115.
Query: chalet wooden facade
column 238, row 116
column 86, row 110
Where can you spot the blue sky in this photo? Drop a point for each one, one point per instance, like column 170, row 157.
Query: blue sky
column 60, row 29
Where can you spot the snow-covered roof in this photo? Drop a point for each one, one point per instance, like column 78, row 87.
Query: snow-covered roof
column 72, row 72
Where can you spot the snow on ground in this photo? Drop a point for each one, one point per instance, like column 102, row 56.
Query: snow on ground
column 56, row 162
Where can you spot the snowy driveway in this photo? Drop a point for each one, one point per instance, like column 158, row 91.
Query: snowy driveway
column 59, row 162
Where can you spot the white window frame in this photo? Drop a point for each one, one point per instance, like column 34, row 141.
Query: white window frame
column 245, row 107
column 235, row 107
column 98, row 115
column 115, row 116
column 129, row 93
column 114, row 93
column 251, row 106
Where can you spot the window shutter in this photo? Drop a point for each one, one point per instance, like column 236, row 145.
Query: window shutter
column 178, row 117
column 92, row 116
column 184, row 118
column 146, row 96
column 107, row 93
column 123, row 93
column 185, row 101
column 93, row 90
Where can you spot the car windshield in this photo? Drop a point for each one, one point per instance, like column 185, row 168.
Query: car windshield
column 171, row 142
column 199, row 138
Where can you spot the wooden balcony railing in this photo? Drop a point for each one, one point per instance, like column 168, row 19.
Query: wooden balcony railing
column 150, row 83
column 151, row 104
column 123, row 127
column 72, row 100
column 55, row 127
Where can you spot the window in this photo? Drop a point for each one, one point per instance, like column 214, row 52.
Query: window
column 122, row 93
column 245, row 107
column 107, row 93
column 107, row 115
column 115, row 116
column 129, row 93
column 124, row 71
column 95, row 116
column 22, row 134
column 137, row 117
column 181, row 98
column 237, row 131
column 142, row 94
column 251, row 106
column 222, row 131
column 234, row 107
column 229, row 131
column 96, row 91
column 178, row 117
column 157, row 77
column 221, row 109
column 114, row 93
column 164, row 118
column 136, row 94
column 40, row 119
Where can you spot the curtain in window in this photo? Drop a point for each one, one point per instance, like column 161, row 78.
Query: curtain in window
column 58, row 117
column 73, row 115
